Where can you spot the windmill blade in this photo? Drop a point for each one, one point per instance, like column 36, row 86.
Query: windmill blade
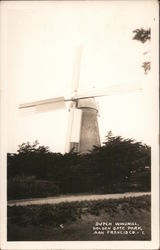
column 50, row 107
column 112, row 90
column 73, row 130
column 42, row 102
column 76, row 69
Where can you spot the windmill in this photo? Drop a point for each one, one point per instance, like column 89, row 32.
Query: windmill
column 83, row 130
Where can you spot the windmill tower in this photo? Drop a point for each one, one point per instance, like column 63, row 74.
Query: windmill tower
column 89, row 133
column 83, row 130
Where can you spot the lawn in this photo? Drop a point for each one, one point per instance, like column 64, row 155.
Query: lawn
column 85, row 220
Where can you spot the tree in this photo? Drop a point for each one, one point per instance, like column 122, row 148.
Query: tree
column 29, row 160
column 121, row 162
column 27, row 148
column 143, row 35
column 114, row 167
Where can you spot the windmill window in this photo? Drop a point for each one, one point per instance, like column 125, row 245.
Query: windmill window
column 75, row 146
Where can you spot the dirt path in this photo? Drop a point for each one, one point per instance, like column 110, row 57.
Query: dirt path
column 71, row 198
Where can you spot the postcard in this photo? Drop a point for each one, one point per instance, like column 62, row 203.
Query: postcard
column 79, row 124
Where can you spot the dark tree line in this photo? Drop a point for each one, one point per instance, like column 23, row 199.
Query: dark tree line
column 119, row 165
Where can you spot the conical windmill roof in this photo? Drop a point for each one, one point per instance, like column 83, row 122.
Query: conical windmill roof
column 87, row 103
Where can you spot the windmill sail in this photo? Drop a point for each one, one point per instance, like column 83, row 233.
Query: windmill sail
column 41, row 102
column 83, row 131
column 73, row 131
column 76, row 70
column 74, row 124
column 116, row 89
column 110, row 90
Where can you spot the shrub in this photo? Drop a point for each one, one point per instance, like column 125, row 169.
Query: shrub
column 60, row 213
column 28, row 187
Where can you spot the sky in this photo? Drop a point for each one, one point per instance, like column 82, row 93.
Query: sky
column 39, row 44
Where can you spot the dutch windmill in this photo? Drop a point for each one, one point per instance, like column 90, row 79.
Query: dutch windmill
column 83, row 130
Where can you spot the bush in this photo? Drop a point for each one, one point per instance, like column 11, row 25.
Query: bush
column 56, row 214
column 29, row 187
column 121, row 165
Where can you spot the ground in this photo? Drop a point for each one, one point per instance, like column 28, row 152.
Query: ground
column 81, row 220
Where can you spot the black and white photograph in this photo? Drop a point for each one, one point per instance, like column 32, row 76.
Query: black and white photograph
column 79, row 124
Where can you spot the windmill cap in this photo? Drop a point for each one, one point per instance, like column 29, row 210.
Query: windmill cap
column 87, row 103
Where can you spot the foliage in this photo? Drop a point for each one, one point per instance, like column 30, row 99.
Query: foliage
column 147, row 67
column 21, row 187
column 143, row 35
column 56, row 214
column 74, row 221
column 27, row 148
column 119, row 160
column 120, row 165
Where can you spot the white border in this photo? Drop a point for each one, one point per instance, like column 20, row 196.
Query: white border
column 154, row 243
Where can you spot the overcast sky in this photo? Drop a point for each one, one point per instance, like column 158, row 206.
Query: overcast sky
column 39, row 44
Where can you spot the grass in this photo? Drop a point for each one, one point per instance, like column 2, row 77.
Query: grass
column 75, row 220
